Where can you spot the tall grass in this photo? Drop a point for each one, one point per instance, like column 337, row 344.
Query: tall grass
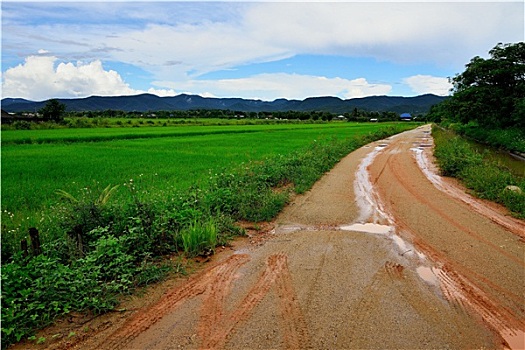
column 485, row 178
column 199, row 237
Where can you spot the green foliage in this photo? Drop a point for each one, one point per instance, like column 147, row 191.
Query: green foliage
column 53, row 111
column 485, row 178
column 82, row 219
column 34, row 294
column 454, row 156
column 511, row 139
column 490, row 92
column 199, row 237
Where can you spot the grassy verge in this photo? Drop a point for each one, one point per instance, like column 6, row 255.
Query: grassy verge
column 101, row 248
column 508, row 139
column 486, row 179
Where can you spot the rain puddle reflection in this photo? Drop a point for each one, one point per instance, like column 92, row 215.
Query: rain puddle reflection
column 368, row 228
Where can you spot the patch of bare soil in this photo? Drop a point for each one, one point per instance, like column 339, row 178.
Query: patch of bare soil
column 375, row 256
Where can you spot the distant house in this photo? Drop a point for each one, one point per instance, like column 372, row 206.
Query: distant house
column 405, row 116
column 8, row 118
column 339, row 117
column 374, row 120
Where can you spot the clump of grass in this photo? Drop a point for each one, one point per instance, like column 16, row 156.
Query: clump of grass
column 199, row 237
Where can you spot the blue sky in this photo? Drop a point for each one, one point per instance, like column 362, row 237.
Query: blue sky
column 263, row 50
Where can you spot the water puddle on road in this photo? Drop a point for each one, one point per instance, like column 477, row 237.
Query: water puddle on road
column 367, row 200
column 428, row 275
column 373, row 212
column 368, row 228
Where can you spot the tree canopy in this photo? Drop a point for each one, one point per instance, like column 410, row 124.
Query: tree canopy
column 53, row 111
column 491, row 91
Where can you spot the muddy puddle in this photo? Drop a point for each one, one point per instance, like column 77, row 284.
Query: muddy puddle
column 428, row 274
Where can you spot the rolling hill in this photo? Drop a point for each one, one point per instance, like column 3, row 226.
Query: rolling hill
column 148, row 102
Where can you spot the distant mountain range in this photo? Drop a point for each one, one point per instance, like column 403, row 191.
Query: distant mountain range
column 148, row 102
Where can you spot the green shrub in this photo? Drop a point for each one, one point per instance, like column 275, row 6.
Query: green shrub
column 487, row 180
column 514, row 201
column 511, row 139
column 34, row 294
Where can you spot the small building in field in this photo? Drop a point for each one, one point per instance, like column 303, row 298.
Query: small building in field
column 406, row 116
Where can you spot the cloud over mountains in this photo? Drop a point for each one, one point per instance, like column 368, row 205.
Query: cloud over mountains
column 173, row 46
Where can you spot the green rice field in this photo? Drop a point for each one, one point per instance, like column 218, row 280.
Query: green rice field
column 37, row 163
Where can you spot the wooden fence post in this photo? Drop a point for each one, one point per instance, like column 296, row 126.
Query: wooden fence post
column 35, row 241
column 23, row 245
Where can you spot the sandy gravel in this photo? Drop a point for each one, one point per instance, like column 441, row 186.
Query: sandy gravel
column 390, row 260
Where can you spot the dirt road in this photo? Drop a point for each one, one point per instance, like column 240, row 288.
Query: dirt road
column 381, row 253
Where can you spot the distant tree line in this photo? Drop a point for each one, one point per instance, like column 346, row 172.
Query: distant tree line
column 54, row 111
column 354, row 115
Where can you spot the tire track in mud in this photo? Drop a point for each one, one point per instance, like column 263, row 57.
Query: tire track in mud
column 401, row 176
column 447, row 265
column 197, row 285
column 275, row 275
column 429, row 170
column 456, row 288
column 318, row 273
column 392, row 282
column 469, row 296
column 216, row 325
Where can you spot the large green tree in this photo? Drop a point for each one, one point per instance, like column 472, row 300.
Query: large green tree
column 491, row 91
column 53, row 111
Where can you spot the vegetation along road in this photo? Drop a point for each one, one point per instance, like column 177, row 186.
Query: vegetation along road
column 380, row 253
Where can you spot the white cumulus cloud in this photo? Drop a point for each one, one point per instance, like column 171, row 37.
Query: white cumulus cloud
column 270, row 86
column 39, row 78
column 162, row 92
column 426, row 84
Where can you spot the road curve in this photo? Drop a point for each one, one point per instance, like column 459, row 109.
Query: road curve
column 376, row 255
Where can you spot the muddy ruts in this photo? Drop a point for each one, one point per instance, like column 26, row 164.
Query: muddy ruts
column 216, row 325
